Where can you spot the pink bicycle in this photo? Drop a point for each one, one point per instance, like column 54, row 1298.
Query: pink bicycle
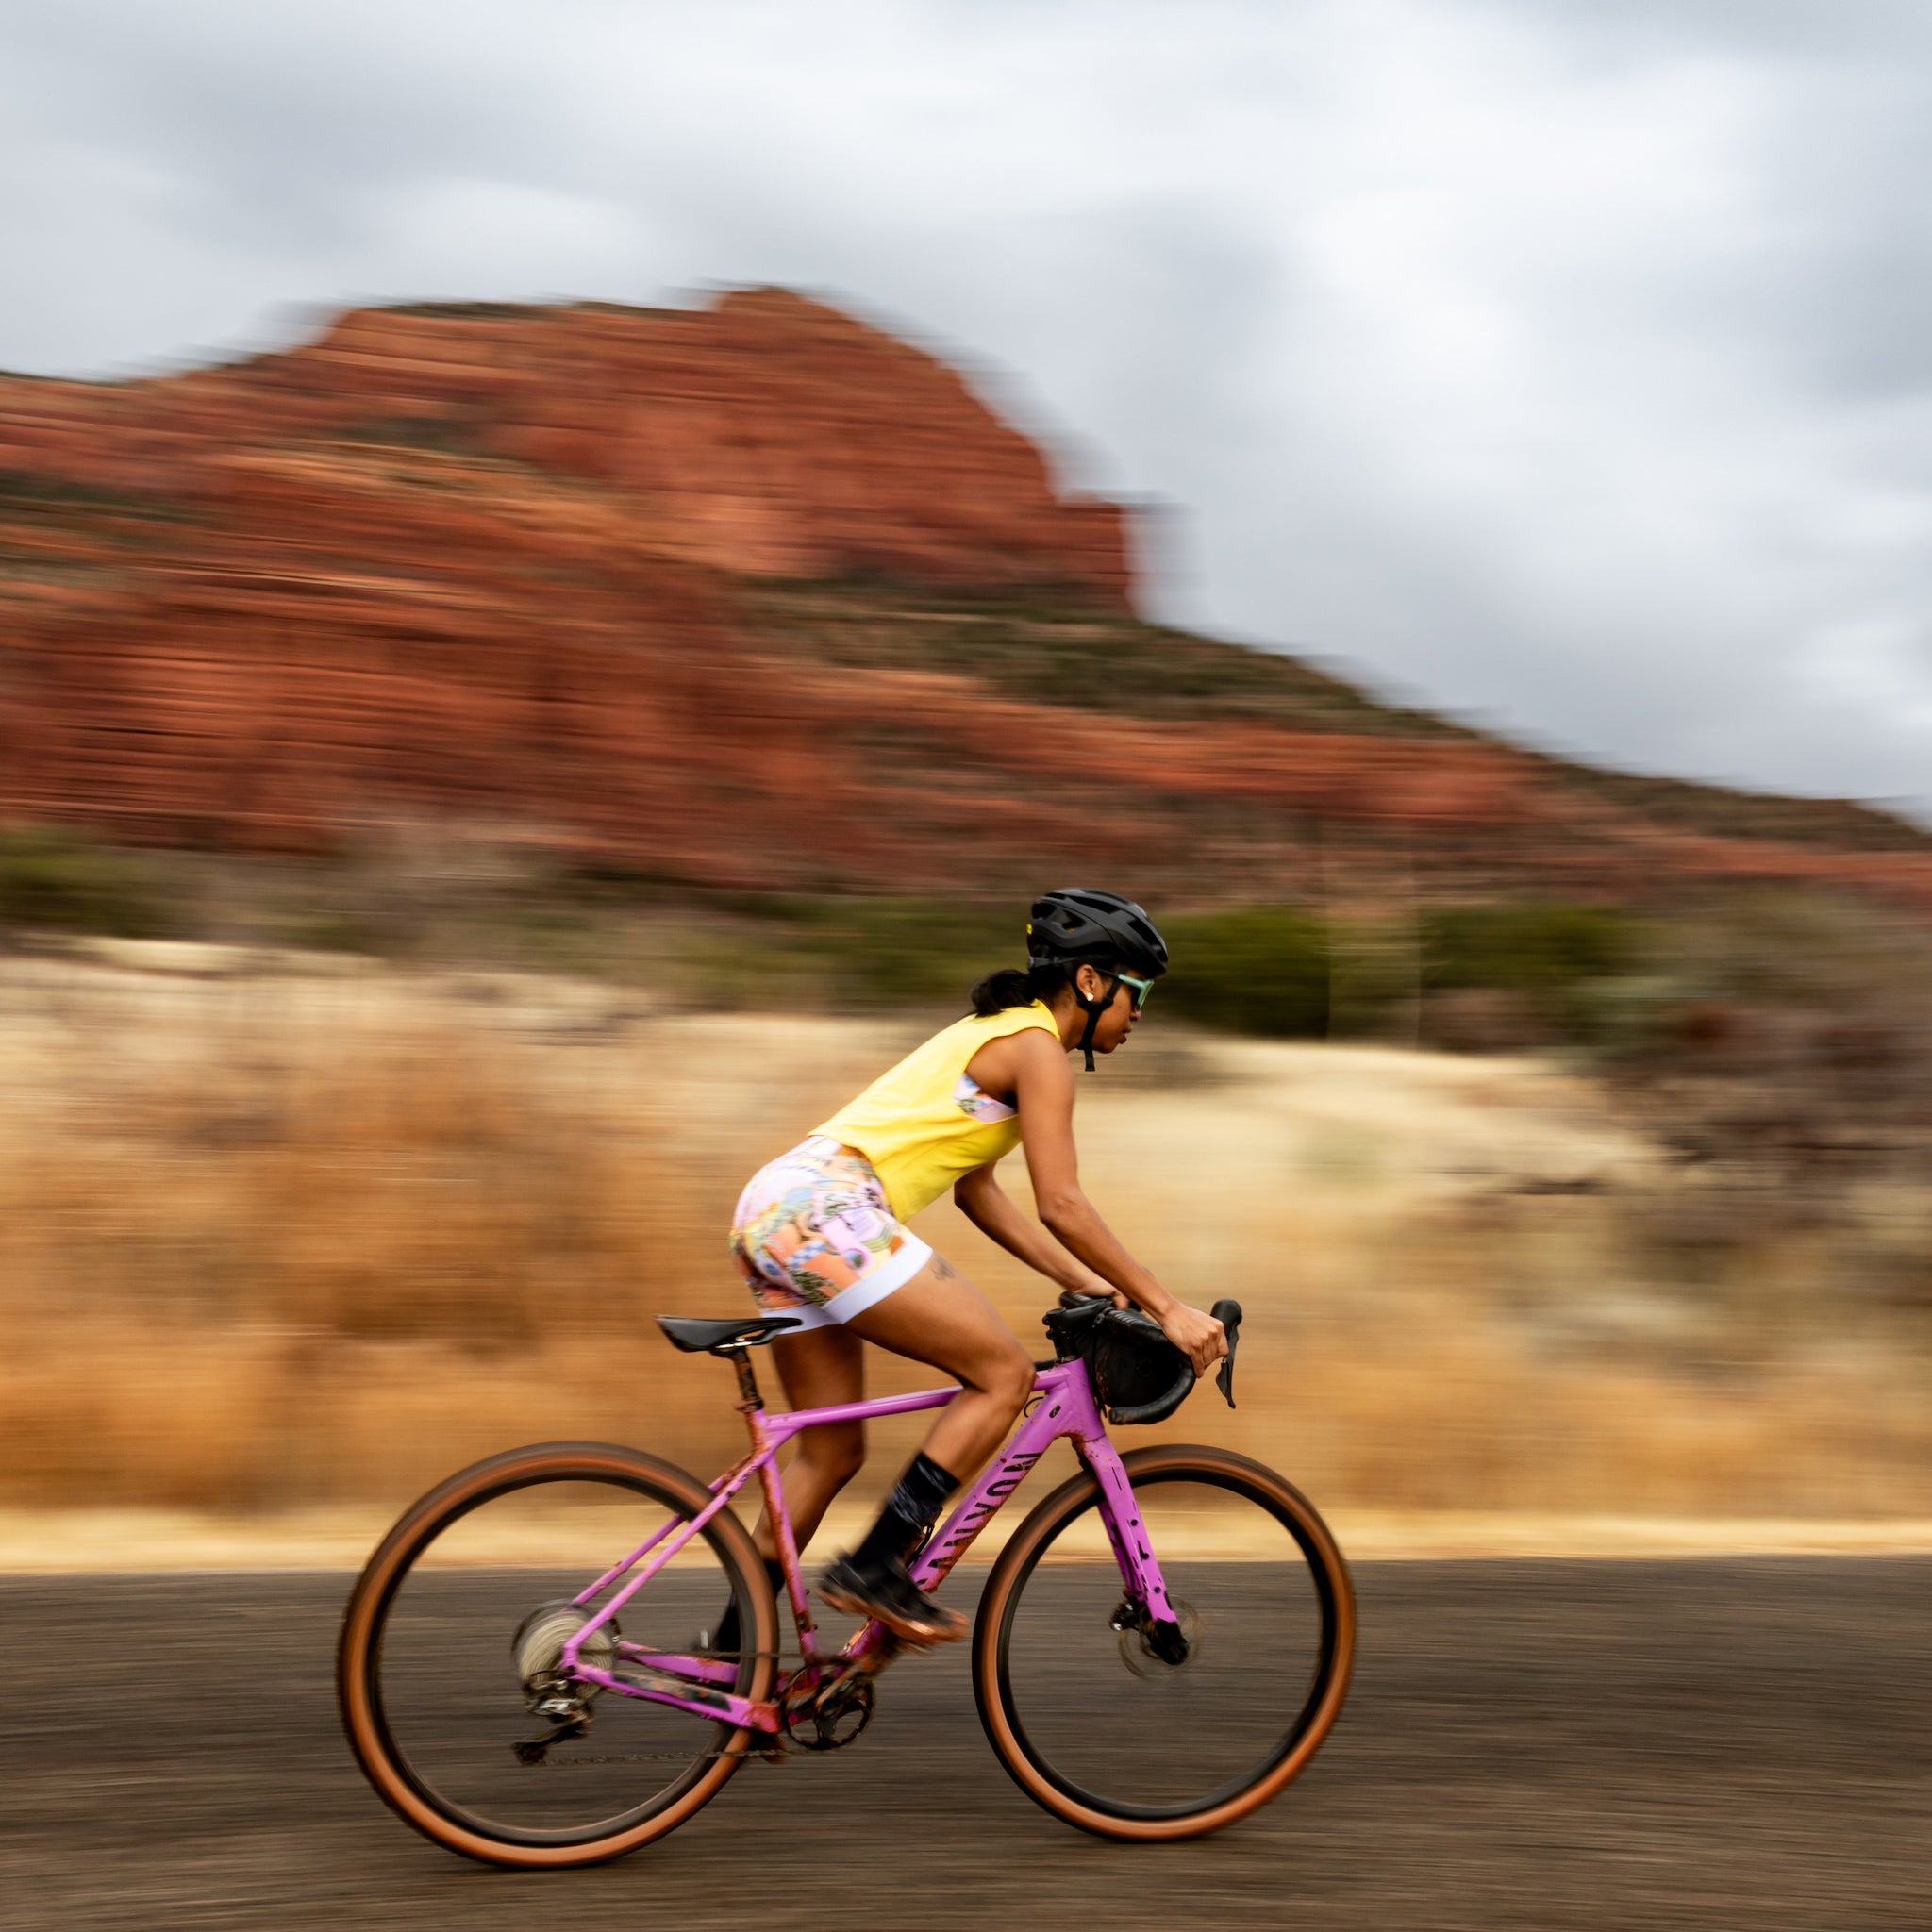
column 1159, row 1648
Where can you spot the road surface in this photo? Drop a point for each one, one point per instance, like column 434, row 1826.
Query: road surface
column 1528, row 1745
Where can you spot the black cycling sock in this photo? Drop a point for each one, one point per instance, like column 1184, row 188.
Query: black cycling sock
column 725, row 1637
column 909, row 1516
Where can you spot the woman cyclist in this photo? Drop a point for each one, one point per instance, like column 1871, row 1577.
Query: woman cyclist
column 820, row 1236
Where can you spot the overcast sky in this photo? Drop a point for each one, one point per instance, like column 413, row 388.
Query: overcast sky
column 1565, row 364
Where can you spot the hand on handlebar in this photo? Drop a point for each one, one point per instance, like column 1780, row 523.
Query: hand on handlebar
column 1100, row 1289
column 1198, row 1337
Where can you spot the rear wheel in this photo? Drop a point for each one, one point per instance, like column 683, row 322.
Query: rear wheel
column 1113, row 1724
column 452, row 1629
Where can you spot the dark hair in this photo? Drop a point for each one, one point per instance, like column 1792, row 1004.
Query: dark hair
column 1019, row 986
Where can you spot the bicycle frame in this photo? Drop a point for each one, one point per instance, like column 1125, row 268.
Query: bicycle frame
column 1062, row 1404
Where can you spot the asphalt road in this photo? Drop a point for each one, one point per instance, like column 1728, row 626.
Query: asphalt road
column 1547, row 1745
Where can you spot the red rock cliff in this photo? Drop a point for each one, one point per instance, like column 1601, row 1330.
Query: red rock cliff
column 767, row 436
column 507, row 564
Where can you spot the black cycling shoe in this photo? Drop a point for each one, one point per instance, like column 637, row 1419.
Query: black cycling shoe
column 891, row 1597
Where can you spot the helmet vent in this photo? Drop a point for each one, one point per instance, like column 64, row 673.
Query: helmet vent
column 1083, row 922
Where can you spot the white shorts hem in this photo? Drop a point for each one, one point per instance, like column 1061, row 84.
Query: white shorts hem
column 890, row 1275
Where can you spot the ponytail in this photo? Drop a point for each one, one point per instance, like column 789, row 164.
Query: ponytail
column 1016, row 986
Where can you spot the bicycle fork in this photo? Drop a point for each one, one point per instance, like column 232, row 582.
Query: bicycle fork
column 1064, row 1405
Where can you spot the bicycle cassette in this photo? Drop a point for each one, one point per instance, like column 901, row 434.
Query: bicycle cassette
column 538, row 1651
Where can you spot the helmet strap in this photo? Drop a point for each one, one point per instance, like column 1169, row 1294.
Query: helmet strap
column 1093, row 1008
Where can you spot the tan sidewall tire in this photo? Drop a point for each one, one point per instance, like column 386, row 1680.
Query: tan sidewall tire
column 1013, row 1563
column 554, row 1461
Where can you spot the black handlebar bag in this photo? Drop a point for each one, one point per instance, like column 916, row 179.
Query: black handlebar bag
column 1138, row 1373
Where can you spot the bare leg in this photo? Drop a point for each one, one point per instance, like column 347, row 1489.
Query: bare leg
column 937, row 1317
column 819, row 1368
column 940, row 1317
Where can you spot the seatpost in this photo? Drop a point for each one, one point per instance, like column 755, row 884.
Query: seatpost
column 750, row 1400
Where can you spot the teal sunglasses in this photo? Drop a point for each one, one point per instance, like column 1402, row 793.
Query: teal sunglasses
column 1142, row 988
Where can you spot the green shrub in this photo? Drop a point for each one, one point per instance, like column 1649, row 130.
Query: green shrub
column 1558, row 958
column 1532, row 948
column 851, row 952
column 59, row 880
column 1257, row 969
column 878, row 951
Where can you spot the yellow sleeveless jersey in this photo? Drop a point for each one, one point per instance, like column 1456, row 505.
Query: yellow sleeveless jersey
column 924, row 1123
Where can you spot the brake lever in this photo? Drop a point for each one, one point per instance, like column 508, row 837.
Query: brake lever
column 1228, row 1313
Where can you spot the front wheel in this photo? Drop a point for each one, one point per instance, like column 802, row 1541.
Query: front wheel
column 1115, row 1727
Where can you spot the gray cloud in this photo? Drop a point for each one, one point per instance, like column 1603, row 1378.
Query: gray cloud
column 1563, row 364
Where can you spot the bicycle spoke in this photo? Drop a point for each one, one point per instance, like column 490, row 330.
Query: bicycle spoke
column 1106, row 1716
column 460, row 1713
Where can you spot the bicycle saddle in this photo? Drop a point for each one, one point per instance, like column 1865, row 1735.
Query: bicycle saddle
column 694, row 1336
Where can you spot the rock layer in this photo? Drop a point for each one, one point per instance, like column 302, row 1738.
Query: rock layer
column 502, row 565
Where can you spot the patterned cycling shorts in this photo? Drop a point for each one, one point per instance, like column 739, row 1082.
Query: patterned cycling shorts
column 815, row 1238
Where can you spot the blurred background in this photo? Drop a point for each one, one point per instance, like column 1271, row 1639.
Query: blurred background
column 566, row 574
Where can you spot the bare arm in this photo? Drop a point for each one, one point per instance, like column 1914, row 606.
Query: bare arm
column 1042, row 1087
column 996, row 1214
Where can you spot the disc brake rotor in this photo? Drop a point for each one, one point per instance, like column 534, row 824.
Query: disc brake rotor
column 1140, row 1641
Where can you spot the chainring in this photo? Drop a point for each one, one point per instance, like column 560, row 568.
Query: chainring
column 829, row 1717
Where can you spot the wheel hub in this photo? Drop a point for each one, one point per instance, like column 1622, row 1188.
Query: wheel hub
column 538, row 1651
column 1151, row 1649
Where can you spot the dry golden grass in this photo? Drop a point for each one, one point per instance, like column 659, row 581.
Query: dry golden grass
column 303, row 1242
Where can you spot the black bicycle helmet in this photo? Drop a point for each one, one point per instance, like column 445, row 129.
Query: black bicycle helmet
column 1084, row 925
